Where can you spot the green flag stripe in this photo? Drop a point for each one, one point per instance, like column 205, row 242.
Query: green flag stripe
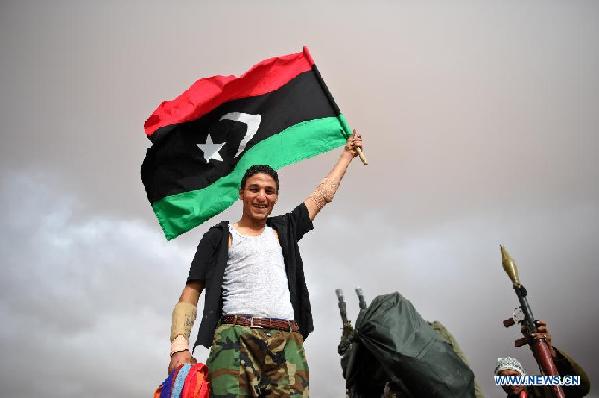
column 179, row 213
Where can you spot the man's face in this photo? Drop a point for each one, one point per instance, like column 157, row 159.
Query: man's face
column 258, row 196
column 512, row 390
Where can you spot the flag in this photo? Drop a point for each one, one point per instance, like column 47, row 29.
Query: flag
column 203, row 141
column 185, row 381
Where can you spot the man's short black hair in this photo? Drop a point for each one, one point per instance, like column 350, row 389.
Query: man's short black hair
column 260, row 169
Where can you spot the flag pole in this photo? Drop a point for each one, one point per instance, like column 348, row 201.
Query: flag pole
column 362, row 157
column 346, row 129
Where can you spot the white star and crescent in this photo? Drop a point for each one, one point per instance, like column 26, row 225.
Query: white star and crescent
column 252, row 122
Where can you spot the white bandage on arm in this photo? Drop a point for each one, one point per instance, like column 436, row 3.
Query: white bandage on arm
column 184, row 315
column 179, row 344
column 323, row 194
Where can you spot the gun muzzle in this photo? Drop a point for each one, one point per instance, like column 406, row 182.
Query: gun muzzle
column 342, row 307
column 361, row 298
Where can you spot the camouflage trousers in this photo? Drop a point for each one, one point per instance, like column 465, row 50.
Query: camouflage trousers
column 250, row 362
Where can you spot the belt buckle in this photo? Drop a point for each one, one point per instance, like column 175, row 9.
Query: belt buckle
column 252, row 326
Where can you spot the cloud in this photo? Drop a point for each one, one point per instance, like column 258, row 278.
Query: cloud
column 86, row 302
column 479, row 124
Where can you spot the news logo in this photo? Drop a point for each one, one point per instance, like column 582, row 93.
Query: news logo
column 537, row 380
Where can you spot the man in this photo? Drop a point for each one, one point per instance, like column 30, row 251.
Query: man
column 566, row 366
column 257, row 310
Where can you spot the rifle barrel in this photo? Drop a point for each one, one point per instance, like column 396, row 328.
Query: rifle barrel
column 342, row 306
column 361, row 299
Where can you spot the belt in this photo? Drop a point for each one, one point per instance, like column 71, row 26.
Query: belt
column 261, row 323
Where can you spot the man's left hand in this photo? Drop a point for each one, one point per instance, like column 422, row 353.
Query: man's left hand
column 353, row 142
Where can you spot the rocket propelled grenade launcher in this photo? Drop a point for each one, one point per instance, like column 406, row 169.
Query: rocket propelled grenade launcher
column 539, row 347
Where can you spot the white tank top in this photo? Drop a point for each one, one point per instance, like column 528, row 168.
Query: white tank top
column 255, row 282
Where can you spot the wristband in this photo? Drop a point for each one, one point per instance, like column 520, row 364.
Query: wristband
column 179, row 344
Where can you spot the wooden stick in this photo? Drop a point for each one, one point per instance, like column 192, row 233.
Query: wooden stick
column 359, row 150
column 362, row 157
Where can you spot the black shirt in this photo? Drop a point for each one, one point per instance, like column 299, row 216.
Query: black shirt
column 211, row 257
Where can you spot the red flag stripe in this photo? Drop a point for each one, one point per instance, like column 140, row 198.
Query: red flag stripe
column 208, row 93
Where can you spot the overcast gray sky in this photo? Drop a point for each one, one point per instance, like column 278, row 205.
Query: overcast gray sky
column 479, row 120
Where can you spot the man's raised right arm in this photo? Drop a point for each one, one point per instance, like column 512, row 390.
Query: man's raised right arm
column 184, row 315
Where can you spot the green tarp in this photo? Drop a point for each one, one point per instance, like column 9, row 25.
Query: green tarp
column 392, row 342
